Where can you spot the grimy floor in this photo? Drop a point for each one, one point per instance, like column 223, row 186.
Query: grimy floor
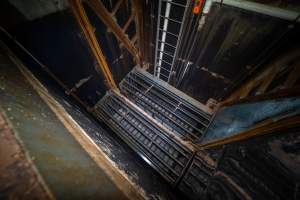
column 64, row 166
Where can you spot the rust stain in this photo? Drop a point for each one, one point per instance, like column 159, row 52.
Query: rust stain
column 18, row 178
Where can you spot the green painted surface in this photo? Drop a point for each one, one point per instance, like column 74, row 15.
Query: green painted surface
column 66, row 168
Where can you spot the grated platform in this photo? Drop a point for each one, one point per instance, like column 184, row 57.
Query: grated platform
column 152, row 143
column 180, row 116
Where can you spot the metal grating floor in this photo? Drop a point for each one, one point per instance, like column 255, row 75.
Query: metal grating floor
column 175, row 113
column 152, row 143
column 159, row 123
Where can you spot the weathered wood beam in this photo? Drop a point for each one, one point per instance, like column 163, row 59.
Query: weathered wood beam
column 107, row 19
column 88, row 32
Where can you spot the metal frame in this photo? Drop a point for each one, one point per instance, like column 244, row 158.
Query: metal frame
column 263, row 128
column 177, row 114
column 157, row 38
column 161, row 38
column 90, row 37
column 179, row 37
column 107, row 19
column 151, row 142
column 139, row 28
column 261, row 82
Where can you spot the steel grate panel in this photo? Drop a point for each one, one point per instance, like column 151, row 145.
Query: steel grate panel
column 170, row 97
column 176, row 114
column 162, row 152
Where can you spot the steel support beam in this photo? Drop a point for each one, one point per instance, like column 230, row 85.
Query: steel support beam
column 293, row 76
column 283, row 93
column 116, row 8
column 129, row 20
column 265, row 127
column 139, row 27
column 134, row 39
column 88, row 32
column 107, row 19
column 265, row 78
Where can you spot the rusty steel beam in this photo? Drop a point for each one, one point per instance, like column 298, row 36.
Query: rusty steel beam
column 265, row 78
column 266, row 82
column 283, row 93
column 88, row 32
column 107, row 19
column 116, row 8
column 139, row 26
column 125, row 27
column 293, row 75
column 134, row 39
column 263, row 128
